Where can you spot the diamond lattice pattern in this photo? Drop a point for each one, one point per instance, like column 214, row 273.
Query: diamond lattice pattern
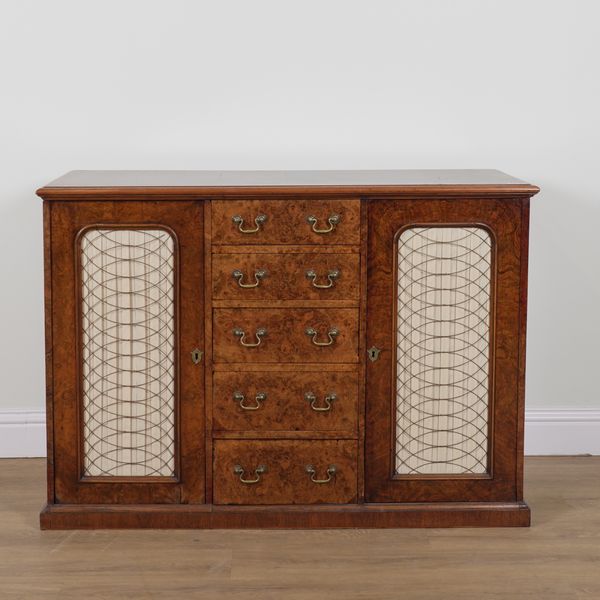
column 128, row 323
column 443, row 331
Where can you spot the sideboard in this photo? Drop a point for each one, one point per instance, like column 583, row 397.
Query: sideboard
column 285, row 349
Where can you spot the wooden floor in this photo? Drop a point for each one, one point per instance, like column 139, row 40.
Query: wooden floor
column 558, row 557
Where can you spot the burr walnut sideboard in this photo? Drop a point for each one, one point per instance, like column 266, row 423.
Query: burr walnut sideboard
column 285, row 349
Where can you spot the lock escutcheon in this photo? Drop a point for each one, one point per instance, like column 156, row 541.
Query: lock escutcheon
column 373, row 353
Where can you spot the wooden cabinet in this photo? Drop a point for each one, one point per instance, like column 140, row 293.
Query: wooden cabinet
column 300, row 349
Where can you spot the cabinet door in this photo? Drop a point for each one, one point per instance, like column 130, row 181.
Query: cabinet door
column 128, row 410
column 443, row 311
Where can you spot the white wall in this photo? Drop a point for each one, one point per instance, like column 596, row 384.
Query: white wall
column 507, row 84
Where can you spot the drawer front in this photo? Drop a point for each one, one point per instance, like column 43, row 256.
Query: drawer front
column 277, row 472
column 315, row 276
column 286, row 221
column 274, row 401
column 246, row 335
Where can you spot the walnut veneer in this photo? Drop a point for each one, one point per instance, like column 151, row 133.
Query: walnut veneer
column 231, row 349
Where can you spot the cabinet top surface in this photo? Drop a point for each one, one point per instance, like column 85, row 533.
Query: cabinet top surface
column 113, row 184
column 203, row 179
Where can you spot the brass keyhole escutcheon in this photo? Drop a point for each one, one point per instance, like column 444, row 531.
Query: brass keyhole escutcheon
column 196, row 355
column 373, row 353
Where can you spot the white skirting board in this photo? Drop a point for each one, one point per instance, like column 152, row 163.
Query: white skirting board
column 562, row 431
column 22, row 433
column 547, row 432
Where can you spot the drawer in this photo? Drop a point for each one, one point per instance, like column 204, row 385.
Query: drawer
column 286, row 221
column 277, row 472
column 276, row 401
column 246, row 335
column 313, row 276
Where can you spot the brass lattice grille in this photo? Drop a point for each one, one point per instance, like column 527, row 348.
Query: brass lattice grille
column 443, row 328
column 128, row 323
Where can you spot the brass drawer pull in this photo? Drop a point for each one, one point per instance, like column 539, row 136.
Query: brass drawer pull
column 333, row 220
column 258, row 275
column 239, row 470
column 259, row 398
column 329, row 399
column 331, row 276
column 258, row 221
column 260, row 333
column 331, row 334
column 331, row 471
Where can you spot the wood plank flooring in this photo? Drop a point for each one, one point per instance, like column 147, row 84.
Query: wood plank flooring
column 558, row 557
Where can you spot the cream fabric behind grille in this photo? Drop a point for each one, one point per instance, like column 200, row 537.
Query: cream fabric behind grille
column 128, row 340
column 443, row 330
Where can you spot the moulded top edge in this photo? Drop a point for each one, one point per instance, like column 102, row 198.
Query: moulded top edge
column 202, row 179
column 242, row 183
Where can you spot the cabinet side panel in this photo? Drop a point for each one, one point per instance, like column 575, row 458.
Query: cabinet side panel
column 522, row 344
column 49, row 354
